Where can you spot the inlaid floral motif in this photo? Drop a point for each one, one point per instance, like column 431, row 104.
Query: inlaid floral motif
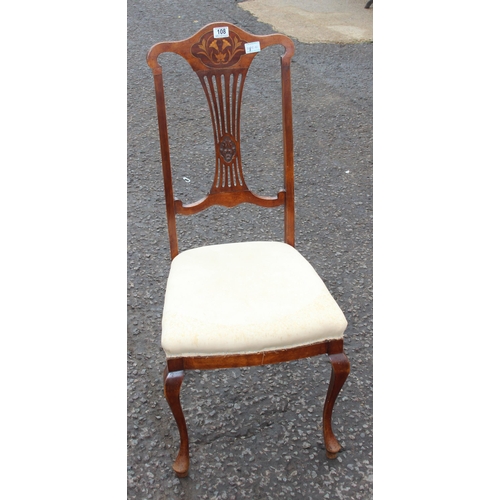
column 221, row 52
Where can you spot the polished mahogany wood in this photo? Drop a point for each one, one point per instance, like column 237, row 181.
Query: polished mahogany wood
column 222, row 65
column 172, row 386
column 229, row 200
column 255, row 359
column 340, row 371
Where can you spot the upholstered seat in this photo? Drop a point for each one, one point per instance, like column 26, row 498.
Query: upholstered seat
column 242, row 298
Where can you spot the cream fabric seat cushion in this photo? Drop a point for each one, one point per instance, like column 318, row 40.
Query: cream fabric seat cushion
column 245, row 298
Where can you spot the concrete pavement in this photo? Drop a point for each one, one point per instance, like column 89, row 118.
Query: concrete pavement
column 334, row 21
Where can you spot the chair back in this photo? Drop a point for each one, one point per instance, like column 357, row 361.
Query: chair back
column 220, row 54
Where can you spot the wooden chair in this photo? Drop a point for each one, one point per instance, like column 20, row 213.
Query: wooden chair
column 247, row 303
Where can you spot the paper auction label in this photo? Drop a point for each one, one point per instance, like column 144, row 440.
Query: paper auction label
column 222, row 32
column 252, row 47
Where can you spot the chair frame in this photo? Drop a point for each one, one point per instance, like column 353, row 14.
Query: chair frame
column 214, row 68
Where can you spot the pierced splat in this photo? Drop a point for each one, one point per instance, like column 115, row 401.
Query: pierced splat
column 223, row 88
column 224, row 91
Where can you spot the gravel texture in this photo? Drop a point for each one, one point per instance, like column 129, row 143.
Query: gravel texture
column 254, row 432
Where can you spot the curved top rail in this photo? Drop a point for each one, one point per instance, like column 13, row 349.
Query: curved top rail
column 203, row 52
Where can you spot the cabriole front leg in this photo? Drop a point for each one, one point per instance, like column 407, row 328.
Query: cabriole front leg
column 172, row 387
column 340, row 370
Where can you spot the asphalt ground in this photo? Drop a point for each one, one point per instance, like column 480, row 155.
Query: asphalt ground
column 256, row 432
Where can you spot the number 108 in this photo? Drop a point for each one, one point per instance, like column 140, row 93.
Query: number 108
column 221, row 32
